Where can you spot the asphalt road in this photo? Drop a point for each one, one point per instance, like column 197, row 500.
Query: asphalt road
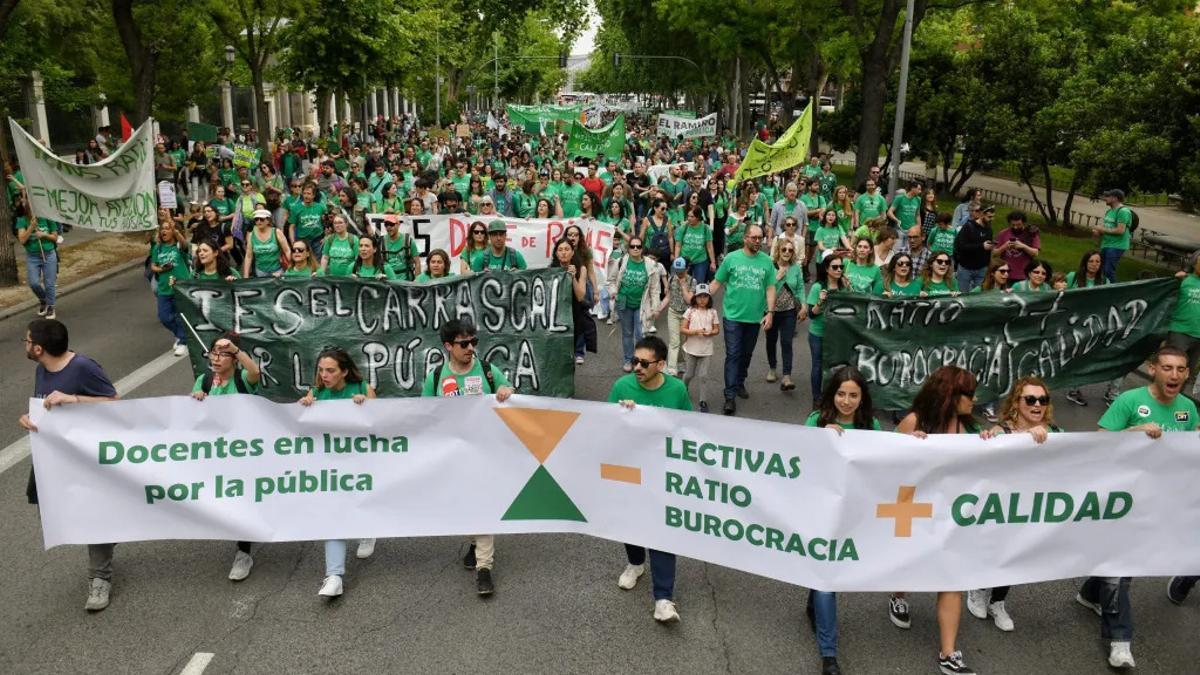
column 411, row 607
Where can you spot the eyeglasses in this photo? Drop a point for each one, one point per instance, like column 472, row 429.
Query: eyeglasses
column 468, row 342
column 1002, row 271
column 221, row 355
column 1038, row 271
column 837, row 267
column 299, row 250
column 789, row 224
column 636, row 247
column 786, row 249
column 1036, row 400
column 642, row 363
column 941, row 261
column 903, row 263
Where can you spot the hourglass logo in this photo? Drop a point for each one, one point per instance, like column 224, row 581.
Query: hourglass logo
column 539, row 431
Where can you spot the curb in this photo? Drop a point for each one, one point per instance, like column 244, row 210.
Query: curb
column 71, row 288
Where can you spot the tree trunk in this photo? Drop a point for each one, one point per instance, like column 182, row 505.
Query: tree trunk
column 263, row 126
column 874, row 95
column 816, row 85
column 8, row 242
column 1049, row 191
column 1026, row 173
column 142, row 59
column 1076, row 182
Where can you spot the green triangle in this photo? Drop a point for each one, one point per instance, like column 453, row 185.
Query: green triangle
column 543, row 499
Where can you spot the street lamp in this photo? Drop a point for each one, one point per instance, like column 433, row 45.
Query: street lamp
column 227, row 99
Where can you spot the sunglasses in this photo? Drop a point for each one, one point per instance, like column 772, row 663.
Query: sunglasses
column 299, row 250
column 1036, row 400
column 478, row 231
column 941, row 261
column 245, row 185
column 1001, row 271
column 468, row 342
column 836, row 267
column 787, row 249
column 903, row 263
column 636, row 247
column 642, row 363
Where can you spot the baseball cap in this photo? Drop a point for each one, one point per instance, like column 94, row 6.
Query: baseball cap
column 702, row 289
column 1119, row 194
column 679, row 264
column 261, row 213
column 497, row 226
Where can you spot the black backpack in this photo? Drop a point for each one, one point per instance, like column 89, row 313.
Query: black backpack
column 206, row 382
column 1134, row 221
column 487, row 374
column 659, row 240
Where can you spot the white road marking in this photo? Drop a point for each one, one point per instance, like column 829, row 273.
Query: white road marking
column 197, row 664
column 19, row 449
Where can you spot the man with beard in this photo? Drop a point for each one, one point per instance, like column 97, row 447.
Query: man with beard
column 749, row 277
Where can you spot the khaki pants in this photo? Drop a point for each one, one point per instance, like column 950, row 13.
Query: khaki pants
column 485, row 551
column 674, row 341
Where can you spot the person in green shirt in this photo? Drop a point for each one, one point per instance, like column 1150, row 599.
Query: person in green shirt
column 904, row 209
column 861, row 270
column 370, row 262
column 212, row 264
column 525, row 201
column 831, row 278
column 1152, row 410
column 498, row 256
column 391, row 201
column 648, row 385
column 338, row 379
column 304, row 265
column 941, row 237
column 40, row 239
column 1037, row 277
column 845, row 403
column 339, row 250
column 306, row 220
column 168, row 262
column 266, row 248
column 816, row 204
column 222, row 204
column 869, row 204
column 749, row 304
column 570, row 195
column 231, row 371
column 899, row 281
column 1089, row 273
column 829, row 234
column 1184, row 331
column 828, row 181
column 937, row 279
column 813, row 168
column 735, row 225
column 1115, row 233
column 476, row 248
column 463, row 374
column 437, row 266
column 400, row 252
column 693, row 243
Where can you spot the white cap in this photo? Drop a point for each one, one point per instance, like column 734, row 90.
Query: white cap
column 262, row 213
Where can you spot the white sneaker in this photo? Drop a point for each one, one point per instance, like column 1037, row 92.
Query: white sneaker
column 999, row 614
column 366, row 547
column 242, row 562
column 665, row 612
column 977, row 602
column 180, row 349
column 1120, row 656
column 651, row 330
column 332, row 586
column 629, row 577
column 98, row 595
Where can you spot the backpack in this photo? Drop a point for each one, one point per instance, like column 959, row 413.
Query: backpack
column 1134, row 221
column 483, row 363
column 206, row 382
column 659, row 241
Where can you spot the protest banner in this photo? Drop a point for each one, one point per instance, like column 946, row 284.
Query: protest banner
column 682, row 127
column 1068, row 338
column 246, row 156
column 863, row 511
column 534, row 238
column 462, row 131
column 116, row 194
column 608, row 139
column 390, row 329
column 687, row 114
column 790, row 150
column 166, row 194
column 199, row 131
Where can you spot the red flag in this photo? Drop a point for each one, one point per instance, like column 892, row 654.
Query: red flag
column 126, row 130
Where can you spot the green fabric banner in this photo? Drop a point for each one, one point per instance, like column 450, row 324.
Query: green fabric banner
column 199, row 131
column 390, row 329
column 535, row 117
column 1069, row 338
column 790, row 150
column 608, row 139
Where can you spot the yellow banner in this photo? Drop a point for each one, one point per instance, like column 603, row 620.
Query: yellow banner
column 790, row 150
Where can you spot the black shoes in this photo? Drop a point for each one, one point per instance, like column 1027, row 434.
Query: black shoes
column 469, row 558
column 829, row 666
column 483, row 582
column 742, row 393
column 730, row 406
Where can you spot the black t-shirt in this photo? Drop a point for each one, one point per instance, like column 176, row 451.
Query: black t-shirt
column 81, row 376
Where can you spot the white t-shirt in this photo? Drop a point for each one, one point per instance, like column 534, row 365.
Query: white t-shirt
column 696, row 319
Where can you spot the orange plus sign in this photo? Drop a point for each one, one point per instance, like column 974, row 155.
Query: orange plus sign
column 904, row 510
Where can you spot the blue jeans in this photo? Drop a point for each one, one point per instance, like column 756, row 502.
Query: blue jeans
column 335, row 557
column 662, row 569
column 822, row 607
column 1109, row 257
column 631, row 329
column 1116, row 618
column 783, row 330
column 699, row 271
column 580, row 344
column 168, row 316
column 43, row 276
column 814, row 346
column 740, row 339
column 968, row 279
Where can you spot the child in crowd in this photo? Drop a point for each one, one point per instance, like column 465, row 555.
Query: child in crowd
column 1059, row 281
column 700, row 324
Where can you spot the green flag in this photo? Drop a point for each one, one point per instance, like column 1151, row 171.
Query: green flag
column 198, row 131
column 1068, row 338
column 790, row 150
column 608, row 139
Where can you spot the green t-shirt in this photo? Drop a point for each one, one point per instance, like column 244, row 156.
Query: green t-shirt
column 524, row 206
column 816, row 324
column 474, row 257
column 813, row 202
column 1138, row 406
column 941, row 240
column 735, row 238
column 939, row 287
column 815, row 416
column 394, row 254
column 227, row 387
column 1186, row 318
column 828, row 183
column 829, row 237
column 266, row 253
column 633, row 284
column 164, row 254
column 424, row 277
column 465, row 384
column 348, row 390
column 671, row 394
column 911, row 290
column 33, row 245
column 370, row 272
column 301, row 272
column 222, row 206
column 1113, row 218
column 341, row 252
column 307, row 220
column 906, row 209
column 870, row 206
column 201, row 274
column 571, row 195
column 1071, row 276
column 864, row 278
column 745, row 279
column 1023, row 285
column 694, row 240
column 511, row 259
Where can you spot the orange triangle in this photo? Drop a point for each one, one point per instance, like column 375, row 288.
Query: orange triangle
column 539, row 430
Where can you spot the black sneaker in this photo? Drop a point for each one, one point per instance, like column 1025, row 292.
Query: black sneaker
column 898, row 612
column 730, row 406
column 703, row 406
column 829, row 666
column 1179, row 587
column 742, row 393
column 1075, row 396
column 953, row 664
column 483, row 582
column 469, row 558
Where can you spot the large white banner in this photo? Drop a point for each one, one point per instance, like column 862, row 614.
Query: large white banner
column 674, row 127
column 116, row 195
column 534, row 238
column 866, row 511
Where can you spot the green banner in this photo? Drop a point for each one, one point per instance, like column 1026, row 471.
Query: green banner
column 534, row 118
column 608, row 139
column 790, row 150
column 390, row 329
column 1068, row 338
column 199, row 131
